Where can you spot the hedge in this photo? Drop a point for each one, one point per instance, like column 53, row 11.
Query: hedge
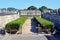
column 15, row 24
column 45, row 23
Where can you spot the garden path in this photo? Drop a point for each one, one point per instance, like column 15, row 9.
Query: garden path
column 27, row 27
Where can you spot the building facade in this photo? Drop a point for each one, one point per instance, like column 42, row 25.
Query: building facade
column 30, row 13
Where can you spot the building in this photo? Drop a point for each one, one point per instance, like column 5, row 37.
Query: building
column 44, row 11
column 59, row 11
column 30, row 13
column 7, row 12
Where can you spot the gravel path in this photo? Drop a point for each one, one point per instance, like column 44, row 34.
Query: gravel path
column 26, row 28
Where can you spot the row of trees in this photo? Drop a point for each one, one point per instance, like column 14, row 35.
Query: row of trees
column 10, row 8
column 32, row 8
column 29, row 8
column 41, row 8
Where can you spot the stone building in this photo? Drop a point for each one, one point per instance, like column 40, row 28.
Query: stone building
column 30, row 13
column 8, row 12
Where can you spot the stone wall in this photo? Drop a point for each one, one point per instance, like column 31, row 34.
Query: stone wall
column 7, row 18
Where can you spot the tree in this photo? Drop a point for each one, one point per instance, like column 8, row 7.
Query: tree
column 43, row 8
column 10, row 8
column 3, row 9
column 50, row 9
column 32, row 8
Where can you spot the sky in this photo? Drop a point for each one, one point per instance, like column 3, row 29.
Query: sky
column 23, row 4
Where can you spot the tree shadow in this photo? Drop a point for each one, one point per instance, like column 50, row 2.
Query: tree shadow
column 33, row 26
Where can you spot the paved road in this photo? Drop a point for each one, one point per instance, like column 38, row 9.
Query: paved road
column 22, row 37
column 28, row 37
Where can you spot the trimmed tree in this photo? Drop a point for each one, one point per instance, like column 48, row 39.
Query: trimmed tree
column 15, row 25
column 43, row 8
column 47, row 25
column 32, row 8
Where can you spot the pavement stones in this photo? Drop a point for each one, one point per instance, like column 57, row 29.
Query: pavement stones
column 23, row 37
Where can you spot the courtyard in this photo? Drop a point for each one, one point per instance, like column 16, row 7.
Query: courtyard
column 29, row 32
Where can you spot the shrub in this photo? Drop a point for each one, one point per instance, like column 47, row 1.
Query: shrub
column 15, row 24
column 45, row 23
